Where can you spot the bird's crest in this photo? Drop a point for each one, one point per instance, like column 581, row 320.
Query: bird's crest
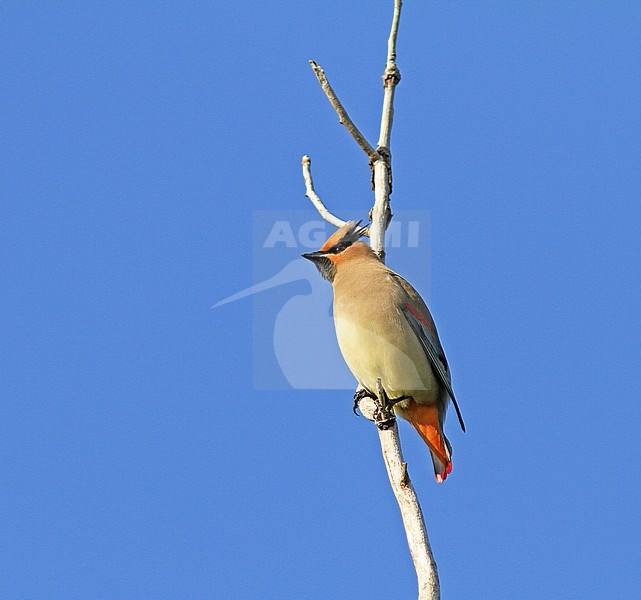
column 347, row 234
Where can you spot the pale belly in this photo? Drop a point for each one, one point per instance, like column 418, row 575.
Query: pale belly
column 398, row 360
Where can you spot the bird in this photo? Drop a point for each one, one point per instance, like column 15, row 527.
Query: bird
column 387, row 337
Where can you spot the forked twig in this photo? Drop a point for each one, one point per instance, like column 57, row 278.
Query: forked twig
column 380, row 215
column 316, row 201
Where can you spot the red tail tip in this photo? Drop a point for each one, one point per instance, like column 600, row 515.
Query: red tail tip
column 441, row 477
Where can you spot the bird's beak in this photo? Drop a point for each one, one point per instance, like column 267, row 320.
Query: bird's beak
column 323, row 263
column 314, row 256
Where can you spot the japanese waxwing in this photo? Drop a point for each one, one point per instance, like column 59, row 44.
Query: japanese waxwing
column 386, row 331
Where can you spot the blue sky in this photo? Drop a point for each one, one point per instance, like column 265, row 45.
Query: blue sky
column 138, row 456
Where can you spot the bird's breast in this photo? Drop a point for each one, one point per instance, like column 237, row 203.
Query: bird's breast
column 379, row 343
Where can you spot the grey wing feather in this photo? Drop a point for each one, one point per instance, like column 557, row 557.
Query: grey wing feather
column 436, row 357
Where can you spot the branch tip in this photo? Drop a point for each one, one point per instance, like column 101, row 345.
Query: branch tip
column 310, row 192
column 343, row 118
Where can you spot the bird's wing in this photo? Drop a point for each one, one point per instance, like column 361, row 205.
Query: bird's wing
column 421, row 322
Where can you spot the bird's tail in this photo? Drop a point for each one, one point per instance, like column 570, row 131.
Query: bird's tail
column 425, row 419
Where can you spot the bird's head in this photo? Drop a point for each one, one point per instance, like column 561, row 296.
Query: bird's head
column 341, row 246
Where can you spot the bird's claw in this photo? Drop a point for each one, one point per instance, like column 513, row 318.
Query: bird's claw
column 359, row 395
column 384, row 414
column 391, row 402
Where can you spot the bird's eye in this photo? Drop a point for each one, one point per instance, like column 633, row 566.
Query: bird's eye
column 340, row 247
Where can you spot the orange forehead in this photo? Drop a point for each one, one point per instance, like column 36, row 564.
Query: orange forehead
column 332, row 240
column 337, row 236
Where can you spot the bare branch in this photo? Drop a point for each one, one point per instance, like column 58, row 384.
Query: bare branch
column 380, row 216
column 417, row 540
column 381, row 213
column 316, row 201
column 313, row 196
column 391, row 42
column 391, row 77
column 411, row 513
column 343, row 117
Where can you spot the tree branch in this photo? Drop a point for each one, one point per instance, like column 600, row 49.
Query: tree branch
column 391, row 77
column 415, row 531
column 313, row 196
column 343, row 117
column 417, row 540
column 382, row 167
column 380, row 216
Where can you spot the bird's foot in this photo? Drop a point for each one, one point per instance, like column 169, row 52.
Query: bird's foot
column 383, row 414
column 359, row 395
column 391, row 402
